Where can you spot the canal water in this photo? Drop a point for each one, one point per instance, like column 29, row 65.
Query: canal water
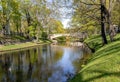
column 47, row 63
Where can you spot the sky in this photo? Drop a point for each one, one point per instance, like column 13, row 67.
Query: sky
column 65, row 12
column 65, row 22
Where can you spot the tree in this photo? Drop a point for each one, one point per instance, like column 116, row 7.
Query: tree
column 29, row 18
column 103, row 20
column 16, row 16
column 116, row 14
column 96, row 13
column 6, row 16
column 55, row 27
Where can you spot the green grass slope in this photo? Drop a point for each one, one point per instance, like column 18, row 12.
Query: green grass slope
column 104, row 65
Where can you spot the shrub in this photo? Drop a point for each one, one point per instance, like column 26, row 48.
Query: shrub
column 61, row 39
column 44, row 36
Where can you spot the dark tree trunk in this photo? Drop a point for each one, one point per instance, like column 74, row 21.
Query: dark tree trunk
column 28, row 17
column 6, row 13
column 3, row 29
column 17, row 29
column 103, row 22
column 7, row 27
column 119, row 18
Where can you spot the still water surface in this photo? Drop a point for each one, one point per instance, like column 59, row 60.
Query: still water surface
column 47, row 63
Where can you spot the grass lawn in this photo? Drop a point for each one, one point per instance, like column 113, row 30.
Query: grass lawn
column 104, row 65
column 4, row 48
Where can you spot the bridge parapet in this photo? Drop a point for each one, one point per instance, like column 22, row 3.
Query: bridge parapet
column 57, row 35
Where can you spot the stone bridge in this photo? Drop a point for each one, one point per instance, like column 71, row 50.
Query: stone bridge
column 52, row 36
column 77, row 35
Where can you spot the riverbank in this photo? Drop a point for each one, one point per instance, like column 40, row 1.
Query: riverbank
column 20, row 46
column 104, row 64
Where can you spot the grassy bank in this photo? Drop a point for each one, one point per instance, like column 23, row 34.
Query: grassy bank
column 104, row 65
column 19, row 46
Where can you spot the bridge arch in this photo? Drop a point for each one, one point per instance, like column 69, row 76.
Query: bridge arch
column 52, row 36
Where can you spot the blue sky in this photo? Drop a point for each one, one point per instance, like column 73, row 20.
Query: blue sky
column 65, row 22
column 49, row 0
column 65, row 17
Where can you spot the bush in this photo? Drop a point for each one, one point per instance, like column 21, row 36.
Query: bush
column 44, row 36
column 61, row 39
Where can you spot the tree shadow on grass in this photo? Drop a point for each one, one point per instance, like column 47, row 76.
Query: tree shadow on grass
column 102, row 75
column 112, row 50
column 78, row 78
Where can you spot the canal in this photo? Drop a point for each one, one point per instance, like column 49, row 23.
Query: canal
column 46, row 63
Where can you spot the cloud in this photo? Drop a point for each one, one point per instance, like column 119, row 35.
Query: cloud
column 65, row 22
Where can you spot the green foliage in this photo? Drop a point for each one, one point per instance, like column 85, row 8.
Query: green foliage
column 32, row 32
column 61, row 39
column 116, row 13
column 27, row 18
column 44, row 36
column 0, row 27
column 94, row 42
column 86, row 17
column 56, row 27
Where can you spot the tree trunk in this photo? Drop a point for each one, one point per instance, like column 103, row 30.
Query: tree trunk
column 38, row 32
column 111, row 28
column 7, row 27
column 103, row 22
column 119, row 18
column 3, row 29
column 6, row 12
column 17, row 29
column 28, row 17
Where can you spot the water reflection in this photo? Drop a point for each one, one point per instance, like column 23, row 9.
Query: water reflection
column 46, row 63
